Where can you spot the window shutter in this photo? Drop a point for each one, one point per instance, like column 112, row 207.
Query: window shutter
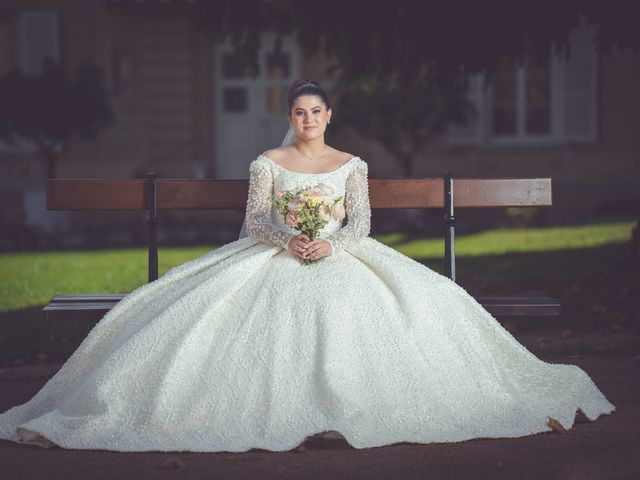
column 579, row 87
column 38, row 40
column 471, row 133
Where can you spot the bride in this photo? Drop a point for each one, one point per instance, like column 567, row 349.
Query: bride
column 278, row 336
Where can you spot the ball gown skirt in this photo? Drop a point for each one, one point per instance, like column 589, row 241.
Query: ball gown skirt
column 246, row 348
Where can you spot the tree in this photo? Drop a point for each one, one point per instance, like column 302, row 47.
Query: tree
column 49, row 109
column 381, row 49
column 388, row 39
column 402, row 117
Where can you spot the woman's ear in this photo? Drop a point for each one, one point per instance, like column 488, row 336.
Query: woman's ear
column 329, row 113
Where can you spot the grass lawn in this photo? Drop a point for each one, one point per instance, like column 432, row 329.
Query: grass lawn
column 586, row 266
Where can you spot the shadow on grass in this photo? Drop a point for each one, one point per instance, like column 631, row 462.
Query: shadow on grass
column 599, row 289
column 27, row 339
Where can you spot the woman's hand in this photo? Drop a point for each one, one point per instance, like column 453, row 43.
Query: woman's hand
column 304, row 248
column 317, row 249
column 297, row 245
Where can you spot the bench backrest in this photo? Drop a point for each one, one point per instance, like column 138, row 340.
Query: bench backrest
column 152, row 195
column 232, row 194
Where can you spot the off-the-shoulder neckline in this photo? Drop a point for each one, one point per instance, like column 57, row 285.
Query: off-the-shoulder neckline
column 310, row 173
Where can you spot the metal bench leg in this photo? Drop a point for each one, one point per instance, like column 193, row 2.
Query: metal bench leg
column 449, row 229
column 152, row 221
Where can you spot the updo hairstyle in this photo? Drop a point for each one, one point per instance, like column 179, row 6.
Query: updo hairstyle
column 305, row 86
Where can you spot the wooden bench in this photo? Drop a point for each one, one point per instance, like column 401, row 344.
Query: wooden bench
column 155, row 195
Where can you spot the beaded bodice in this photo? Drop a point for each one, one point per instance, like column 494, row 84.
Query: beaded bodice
column 264, row 223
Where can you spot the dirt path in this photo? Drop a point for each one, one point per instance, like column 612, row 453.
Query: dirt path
column 606, row 449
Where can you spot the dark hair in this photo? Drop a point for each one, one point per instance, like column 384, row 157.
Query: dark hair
column 304, row 86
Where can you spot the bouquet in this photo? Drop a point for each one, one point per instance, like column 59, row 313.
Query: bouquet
column 308, row 209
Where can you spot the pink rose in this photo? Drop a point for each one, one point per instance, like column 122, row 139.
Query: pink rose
column 291, row 219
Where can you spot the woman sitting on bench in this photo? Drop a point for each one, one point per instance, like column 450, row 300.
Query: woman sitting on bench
column 306, row 325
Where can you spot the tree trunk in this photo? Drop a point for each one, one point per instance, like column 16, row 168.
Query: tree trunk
column 635, row 242
column 51, row 163
column 403, row 158
column 407, row 165
column 49, row 156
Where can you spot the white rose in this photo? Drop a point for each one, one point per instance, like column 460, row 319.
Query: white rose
column 338, row 211
column 325, row 189
column 324, row 213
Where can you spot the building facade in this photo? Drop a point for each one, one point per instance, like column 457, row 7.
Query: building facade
column 185, row 109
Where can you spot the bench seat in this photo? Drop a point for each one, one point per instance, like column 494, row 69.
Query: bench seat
column 91, row 308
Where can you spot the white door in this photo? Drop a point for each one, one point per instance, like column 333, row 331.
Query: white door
column 251, row 112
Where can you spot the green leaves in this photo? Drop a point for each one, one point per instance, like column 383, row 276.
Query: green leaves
column 51, row 108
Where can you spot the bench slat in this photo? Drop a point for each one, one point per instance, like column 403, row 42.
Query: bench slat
column 521, row 306
column 103, row 297
column 96, row 195
column 502, row 192
column 93, row 307
column 232, row 194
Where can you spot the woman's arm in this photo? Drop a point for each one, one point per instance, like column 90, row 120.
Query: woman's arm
column 258, row 214
column 357, row 207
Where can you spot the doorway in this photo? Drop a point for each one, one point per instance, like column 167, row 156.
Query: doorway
column 251, row 111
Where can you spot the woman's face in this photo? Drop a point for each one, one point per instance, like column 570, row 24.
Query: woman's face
column 309, row 117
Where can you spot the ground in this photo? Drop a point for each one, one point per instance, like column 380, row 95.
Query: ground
column 608, row 448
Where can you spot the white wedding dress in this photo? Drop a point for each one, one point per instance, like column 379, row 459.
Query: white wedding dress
column 247, row 348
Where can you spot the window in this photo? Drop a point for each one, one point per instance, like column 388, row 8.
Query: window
column 520, row 98
column 9, row 47
column 233, row 68
column 38, row 40
column 26, row 43
column 548, row 99
column 234, row 99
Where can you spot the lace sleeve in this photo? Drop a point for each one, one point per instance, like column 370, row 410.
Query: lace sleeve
column 258, row 214
column 356, row 202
